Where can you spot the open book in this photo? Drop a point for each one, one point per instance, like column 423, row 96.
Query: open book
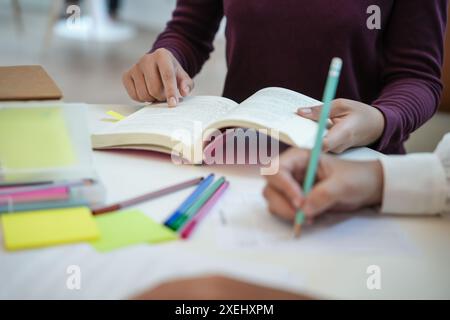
column 189, row 126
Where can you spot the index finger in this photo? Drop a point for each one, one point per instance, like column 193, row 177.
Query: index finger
column 295, row 159
column 167, row 73
column 285, row 184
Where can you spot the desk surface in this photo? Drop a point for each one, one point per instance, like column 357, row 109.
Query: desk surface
column 412, row 253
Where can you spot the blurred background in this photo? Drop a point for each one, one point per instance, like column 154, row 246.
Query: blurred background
column 87, row 62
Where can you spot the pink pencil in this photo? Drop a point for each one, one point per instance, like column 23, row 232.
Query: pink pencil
column 190, row 226
column 55, row 193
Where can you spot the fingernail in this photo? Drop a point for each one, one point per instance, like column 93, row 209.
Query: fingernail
column 305, row 110
column 172, row 102
column 186, row 89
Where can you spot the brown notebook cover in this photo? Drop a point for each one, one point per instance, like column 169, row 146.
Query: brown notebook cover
column 27, row 83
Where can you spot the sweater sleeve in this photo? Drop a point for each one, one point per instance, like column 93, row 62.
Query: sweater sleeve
column 189, row 35
column 412, row 61
column 418, row 183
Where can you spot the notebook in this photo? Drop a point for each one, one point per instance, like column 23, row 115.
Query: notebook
column 27, row 83
column 194, row 123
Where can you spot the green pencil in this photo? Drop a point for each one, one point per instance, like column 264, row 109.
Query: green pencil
column 179, row 223
column 328, row 96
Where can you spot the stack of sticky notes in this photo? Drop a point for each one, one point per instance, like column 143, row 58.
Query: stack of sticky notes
column 45, row 158
column 43, row 228
column 107, row 232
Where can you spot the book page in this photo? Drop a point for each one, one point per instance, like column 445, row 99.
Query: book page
column 275, row 108
column 162, row 120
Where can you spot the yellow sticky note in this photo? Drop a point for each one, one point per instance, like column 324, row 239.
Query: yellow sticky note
column 32, row 229
column 33, row 137
column 124, row 228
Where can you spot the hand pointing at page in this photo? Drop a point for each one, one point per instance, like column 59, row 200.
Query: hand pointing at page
column 157, row 76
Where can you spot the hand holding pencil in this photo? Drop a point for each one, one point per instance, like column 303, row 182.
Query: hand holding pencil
column 341, row 185
column 328, row 95
column 328, row 182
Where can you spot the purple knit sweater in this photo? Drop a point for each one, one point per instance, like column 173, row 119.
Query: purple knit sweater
column 289, row 43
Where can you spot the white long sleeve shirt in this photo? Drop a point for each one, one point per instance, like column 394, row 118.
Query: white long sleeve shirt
column 418, row 183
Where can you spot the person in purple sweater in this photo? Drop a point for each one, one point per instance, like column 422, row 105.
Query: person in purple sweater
column 390, row 84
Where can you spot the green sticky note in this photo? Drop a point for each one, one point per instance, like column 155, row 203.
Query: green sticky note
column 124, row 228
column 48, row 227
column 34, row 138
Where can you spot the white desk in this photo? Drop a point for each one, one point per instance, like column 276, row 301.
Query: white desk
column 414, row 262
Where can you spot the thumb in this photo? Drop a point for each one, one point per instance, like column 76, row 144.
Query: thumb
column 185, row 83
column 338, row 138
column 313, row 113
column 322, row 197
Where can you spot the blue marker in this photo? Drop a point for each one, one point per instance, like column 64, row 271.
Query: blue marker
column 190, row 200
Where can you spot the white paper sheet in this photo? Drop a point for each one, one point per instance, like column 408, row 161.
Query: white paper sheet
column 42, row 274
column 359, row 233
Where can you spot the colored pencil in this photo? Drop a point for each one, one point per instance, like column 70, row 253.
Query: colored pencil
column 12, row 189
column 147, row 196
column 182, row 220
column 55, row 193
column 190, row 226
column 42, row 205
column 328, row 96
column 190, row 200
